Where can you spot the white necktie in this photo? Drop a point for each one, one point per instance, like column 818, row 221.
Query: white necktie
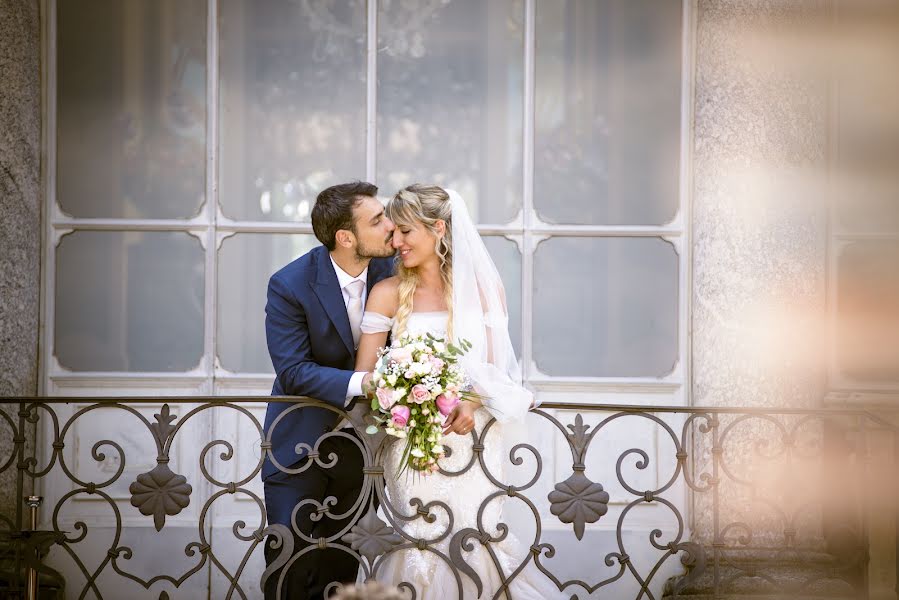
column 354, row 308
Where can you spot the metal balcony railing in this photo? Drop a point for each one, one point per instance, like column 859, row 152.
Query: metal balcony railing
column 616, row 501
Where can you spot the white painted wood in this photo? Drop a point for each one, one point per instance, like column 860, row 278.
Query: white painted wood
column 48, row 253
column 371, row 92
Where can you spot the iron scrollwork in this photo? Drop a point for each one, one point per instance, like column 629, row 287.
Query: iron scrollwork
column 746, row 518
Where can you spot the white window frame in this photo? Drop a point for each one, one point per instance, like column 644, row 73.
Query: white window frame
column 211, row 227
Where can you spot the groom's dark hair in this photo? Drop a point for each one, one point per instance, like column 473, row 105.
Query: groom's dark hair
column 333, row 209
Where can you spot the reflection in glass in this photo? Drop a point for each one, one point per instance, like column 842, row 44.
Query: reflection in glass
column 450, row 101
column 293, row 102
column 246, row 261
column 129, row 301
column 868, row 311
column 607, row 111
column 507, row 257
column 131, row 101
column 605, row 307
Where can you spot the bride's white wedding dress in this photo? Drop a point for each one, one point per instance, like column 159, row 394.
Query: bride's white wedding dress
column 464, row 494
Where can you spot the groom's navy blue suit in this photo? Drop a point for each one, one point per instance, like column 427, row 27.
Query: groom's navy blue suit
column 311, row 347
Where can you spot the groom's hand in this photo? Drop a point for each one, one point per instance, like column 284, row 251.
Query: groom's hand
column 367, row 387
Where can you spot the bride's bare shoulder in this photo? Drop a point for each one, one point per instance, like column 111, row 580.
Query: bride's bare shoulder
column 384, row 297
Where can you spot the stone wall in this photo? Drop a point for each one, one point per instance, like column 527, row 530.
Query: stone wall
column 759, row 227
column 759, row 254
column 20, row 214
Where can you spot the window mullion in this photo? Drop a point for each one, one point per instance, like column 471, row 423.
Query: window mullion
column 529, row 243
column 211, row 207
column 371, row 95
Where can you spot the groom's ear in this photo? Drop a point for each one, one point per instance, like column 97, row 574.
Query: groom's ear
column 344, row 238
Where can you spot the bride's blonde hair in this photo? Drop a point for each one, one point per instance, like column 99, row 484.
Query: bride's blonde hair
column 420, row 204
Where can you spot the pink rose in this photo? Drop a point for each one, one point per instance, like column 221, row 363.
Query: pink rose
column 446, row 403
column 401, row 355
column 420, row 393
column 400, row 415
column 385, row 397
column 436, row 365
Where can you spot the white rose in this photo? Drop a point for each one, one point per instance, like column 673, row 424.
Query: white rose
column 439, row 347
column 417, row 452
column 391, row 379
column 398, row 394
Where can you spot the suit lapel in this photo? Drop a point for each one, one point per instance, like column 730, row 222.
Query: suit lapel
column 378, row 269
column 328, row 291
column 374, row 274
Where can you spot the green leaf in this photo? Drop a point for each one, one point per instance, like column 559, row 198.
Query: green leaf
column 371, row 430
column 374, row 404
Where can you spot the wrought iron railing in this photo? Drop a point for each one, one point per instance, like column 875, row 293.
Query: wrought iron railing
column 653, row 502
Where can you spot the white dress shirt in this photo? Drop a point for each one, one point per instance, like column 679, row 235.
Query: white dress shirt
column 354, row 388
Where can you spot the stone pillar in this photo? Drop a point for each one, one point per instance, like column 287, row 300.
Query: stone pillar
column 759, row 261
column 20, row 216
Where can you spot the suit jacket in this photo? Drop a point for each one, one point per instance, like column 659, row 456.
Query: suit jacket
column 311, row 346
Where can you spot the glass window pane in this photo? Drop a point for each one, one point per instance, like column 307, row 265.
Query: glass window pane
column 607, row 111
column 246, row 261
column 867, row 120
column 605, row 307
column 129, row 301
column 868, row 311
column 131, row 138
column 293, row 104
column 507, row 256
column 450, row 101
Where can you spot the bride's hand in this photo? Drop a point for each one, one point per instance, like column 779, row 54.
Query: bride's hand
column 461, row 420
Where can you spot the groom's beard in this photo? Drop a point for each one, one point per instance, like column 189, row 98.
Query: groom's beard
column 365, row 253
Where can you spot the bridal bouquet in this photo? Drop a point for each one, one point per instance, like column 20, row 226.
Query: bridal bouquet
column 417, row 383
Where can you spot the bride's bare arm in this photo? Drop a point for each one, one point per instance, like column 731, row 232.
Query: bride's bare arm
column 382, row 300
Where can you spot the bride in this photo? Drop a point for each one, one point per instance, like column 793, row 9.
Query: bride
column 447, row 285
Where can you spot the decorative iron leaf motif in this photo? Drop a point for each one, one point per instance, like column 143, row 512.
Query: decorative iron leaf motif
column 279, row 537
column 160, row 492
column 578, row 435
column 579, row 501
column 163, row 425
column 694, row 559
column 371, row 537
column 462, row 541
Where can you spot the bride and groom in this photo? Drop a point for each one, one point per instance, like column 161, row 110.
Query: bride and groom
column 416, row 266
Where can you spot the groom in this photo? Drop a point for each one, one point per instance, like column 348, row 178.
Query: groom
column 312, row 322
